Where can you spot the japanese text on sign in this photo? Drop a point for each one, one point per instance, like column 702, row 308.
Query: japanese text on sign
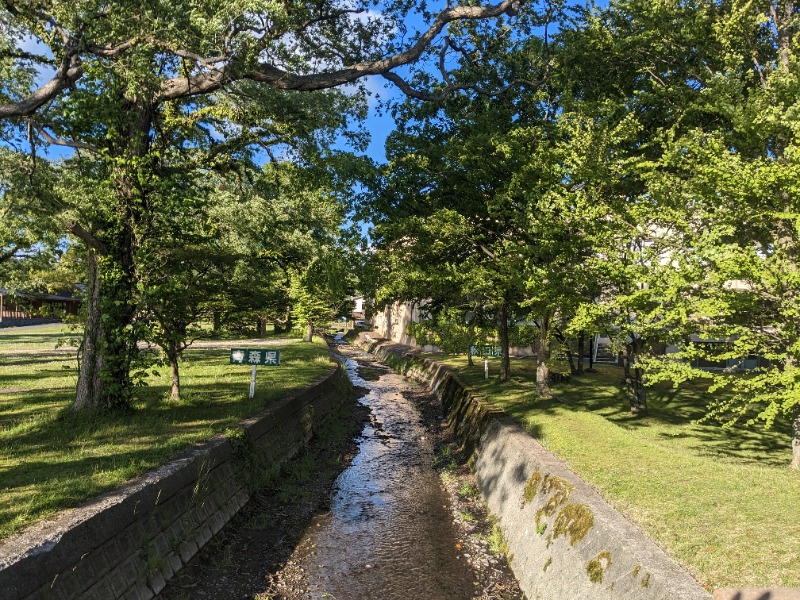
column 250, row 356
column 485, row 350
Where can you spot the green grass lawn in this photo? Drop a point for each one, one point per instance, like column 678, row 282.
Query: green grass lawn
column 722, row 501
column 52, row 458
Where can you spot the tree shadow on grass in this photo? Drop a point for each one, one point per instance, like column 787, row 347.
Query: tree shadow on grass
column 6, row 380
column 45, row 487
column 26, row 366
column 673, row 415
column 33, row 338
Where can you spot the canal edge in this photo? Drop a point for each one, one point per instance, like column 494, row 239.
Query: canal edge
column 129, row 541
column 566, row 541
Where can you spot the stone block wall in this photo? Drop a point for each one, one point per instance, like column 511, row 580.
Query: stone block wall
column 565, row 539
column 128, row 542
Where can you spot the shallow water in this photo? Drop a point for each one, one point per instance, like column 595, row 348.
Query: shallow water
column 389, row 533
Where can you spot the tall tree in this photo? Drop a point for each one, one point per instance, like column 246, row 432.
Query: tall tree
column 744, row 295
column 147, row 88
column 478, row 186
column 697, row 104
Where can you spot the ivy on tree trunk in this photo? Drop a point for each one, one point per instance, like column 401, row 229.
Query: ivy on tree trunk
column 109, row 342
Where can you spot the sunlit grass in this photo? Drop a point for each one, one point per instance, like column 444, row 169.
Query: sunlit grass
column 722, row 501
column 52, row 458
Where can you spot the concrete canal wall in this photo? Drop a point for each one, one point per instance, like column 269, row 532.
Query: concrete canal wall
column 128, row 542
column 567, row 542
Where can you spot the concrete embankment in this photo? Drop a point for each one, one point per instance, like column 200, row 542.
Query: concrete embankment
column 567, row 542
column 128, row 542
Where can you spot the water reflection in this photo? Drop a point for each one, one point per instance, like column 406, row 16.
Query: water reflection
column 388, row 534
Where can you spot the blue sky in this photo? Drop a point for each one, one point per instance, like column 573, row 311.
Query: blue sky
column 379, row 125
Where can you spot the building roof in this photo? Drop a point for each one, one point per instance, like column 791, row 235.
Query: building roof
column 39, row 296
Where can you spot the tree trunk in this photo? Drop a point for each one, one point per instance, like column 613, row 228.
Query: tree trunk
column 543, row 359
column 217, row 321
column 89, row 389
column 633, row 379
column 505, row 359
column 581, row 351
column 284, row 325
column 591, row 353
column 261, row 328
column 109, row 343
column 790, row 362
column 573, row 368
column 309, row 335
column 175, row 377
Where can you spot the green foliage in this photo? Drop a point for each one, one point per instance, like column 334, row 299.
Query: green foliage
column 671, row 147
column 453, row 330
column 137, row 192
column 29, row 242
column 498, row 544
column 468, row 491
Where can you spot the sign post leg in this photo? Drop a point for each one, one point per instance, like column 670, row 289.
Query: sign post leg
column 253, row 382
column 486, row 368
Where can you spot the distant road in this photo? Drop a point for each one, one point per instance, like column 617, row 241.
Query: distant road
column 25, row 327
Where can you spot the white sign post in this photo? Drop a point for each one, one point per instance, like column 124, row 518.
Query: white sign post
column 253, row 382
column 486, row 352
column 248, row 356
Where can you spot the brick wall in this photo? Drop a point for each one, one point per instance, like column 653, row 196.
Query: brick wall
column 128, row 542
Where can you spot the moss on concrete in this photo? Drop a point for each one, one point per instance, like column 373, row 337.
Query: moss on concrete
column 532, row 487
column 575, row 520
column 646, row 580
column 598, row 566
column 559, row 491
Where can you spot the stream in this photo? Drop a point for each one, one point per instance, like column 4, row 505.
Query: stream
column 389, row 533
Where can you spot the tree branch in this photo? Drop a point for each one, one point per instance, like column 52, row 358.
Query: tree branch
column 9, row 254
column 22, row 55
column 278, row 78
column 62, row 80
column 329, row 17
column 87, row 238
column 69, row 71
column 66, row 143
column 113, row 51
column 449, row 89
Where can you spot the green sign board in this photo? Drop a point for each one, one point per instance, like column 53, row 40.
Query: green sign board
column 255, row 356
column 485, row 350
